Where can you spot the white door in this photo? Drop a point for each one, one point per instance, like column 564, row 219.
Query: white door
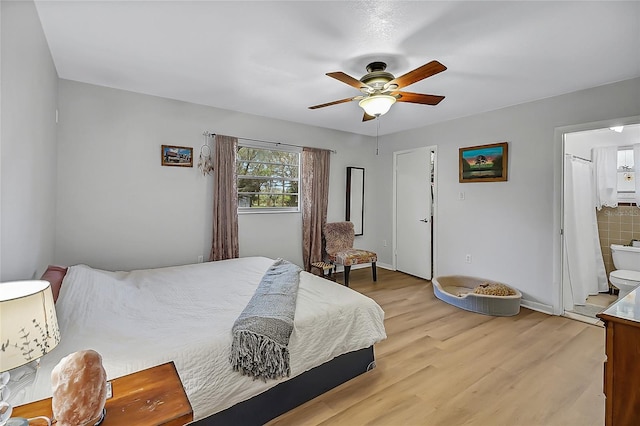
column 412, row 243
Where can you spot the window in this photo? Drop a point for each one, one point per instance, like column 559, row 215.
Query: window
column 626, row 174
column 268, row 179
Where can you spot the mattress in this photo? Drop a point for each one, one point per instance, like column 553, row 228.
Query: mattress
column 184, row 314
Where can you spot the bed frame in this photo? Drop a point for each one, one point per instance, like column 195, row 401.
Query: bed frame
column 294, row 392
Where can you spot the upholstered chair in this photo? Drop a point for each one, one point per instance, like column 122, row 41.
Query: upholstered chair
column 339, row 238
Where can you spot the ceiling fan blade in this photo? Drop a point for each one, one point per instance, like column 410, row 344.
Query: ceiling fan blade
column 340, row 76
column 341, row 101
column 420, row 73
column 417, row 98
column 368, row 117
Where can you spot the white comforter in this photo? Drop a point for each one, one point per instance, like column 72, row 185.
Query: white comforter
column 184, row 314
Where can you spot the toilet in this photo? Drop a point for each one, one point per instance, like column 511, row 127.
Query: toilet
column 626, row 260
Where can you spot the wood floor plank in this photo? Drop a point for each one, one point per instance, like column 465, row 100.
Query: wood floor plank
column 443, row 366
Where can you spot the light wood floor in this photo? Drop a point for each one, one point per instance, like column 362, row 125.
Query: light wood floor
column 603, row 299
column 444, row 366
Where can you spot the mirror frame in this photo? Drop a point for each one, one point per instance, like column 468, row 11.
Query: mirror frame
column 355, row 198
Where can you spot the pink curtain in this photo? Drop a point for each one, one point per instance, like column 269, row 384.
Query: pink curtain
column 315, row 197
column 225, row 200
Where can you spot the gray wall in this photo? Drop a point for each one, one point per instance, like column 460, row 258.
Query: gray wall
column 118, row 208
column 27, row 144
column 507, row 227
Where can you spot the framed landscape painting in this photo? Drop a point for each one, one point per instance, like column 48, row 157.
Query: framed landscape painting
column 484, row 163
column 177, row 156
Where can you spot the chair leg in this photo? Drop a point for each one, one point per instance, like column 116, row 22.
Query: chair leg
column 347, row 269
column 374, row 271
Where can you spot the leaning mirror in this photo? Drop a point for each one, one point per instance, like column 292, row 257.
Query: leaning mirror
column 355, row 198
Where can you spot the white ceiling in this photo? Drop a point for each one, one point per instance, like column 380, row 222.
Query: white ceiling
column 585, row 140
column 270, row 58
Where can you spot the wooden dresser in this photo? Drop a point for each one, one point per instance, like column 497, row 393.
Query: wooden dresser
column 622, row 367
column 149, row 397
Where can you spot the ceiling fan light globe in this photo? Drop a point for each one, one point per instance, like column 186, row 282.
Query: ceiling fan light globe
column 377, row 105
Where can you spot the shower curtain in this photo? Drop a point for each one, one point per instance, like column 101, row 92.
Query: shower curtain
column 585, row 267
column 605, row 163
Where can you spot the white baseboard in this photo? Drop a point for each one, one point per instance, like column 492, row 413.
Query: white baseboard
column 536, row 306
column 583, row 318
column 385, row 266
column 366, row 265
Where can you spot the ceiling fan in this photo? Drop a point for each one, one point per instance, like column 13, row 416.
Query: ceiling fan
column 380, row 89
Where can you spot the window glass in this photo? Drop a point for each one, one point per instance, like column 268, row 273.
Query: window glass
column 626, row 175
column 268, row 179
column 625, row 159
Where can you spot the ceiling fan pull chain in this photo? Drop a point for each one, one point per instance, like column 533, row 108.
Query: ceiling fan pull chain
column 377, row 132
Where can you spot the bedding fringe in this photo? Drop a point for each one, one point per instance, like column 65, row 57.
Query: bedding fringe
column 258, row 356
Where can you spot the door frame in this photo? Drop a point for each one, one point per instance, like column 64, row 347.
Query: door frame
column 434, row 228
column 558, row 200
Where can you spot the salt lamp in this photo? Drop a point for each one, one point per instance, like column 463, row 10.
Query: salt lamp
column 79, row 384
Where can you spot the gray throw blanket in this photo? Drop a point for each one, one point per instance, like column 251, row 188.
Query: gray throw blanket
column 261, row 332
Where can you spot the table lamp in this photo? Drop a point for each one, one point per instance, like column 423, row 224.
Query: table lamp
column 28, row 330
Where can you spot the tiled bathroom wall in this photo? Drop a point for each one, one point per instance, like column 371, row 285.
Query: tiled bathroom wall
column 617, row 226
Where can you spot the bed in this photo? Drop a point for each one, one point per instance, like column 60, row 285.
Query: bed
column 184, row 314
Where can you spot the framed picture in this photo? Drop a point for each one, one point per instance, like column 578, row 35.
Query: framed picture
column 177, row 156
column 484, row 163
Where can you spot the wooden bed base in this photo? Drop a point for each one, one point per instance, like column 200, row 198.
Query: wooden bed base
column 294, row 392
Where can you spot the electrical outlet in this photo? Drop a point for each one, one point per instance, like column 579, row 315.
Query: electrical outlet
column 200, row 259
column 467, row 258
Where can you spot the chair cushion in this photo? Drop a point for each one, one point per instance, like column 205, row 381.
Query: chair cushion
column 339, row 236
column 353, row 257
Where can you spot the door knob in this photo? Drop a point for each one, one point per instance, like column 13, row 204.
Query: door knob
column 425, row 220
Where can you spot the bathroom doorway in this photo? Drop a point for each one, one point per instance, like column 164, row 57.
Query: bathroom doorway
column 586, row 232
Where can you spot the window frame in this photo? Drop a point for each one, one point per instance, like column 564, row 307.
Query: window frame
column 272, row 147
column 625, row 196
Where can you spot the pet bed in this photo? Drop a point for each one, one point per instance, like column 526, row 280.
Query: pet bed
column 458, row 290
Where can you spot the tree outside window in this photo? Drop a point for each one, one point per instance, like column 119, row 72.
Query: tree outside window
column 268, row 179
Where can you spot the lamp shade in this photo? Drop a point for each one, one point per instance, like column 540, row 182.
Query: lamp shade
column 28, row 323
column 377, row 105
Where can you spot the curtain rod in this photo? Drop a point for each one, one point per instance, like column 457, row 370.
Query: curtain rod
column 209, row 134
column 579, row 158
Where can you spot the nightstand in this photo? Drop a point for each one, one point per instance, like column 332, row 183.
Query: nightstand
column 154, row 396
